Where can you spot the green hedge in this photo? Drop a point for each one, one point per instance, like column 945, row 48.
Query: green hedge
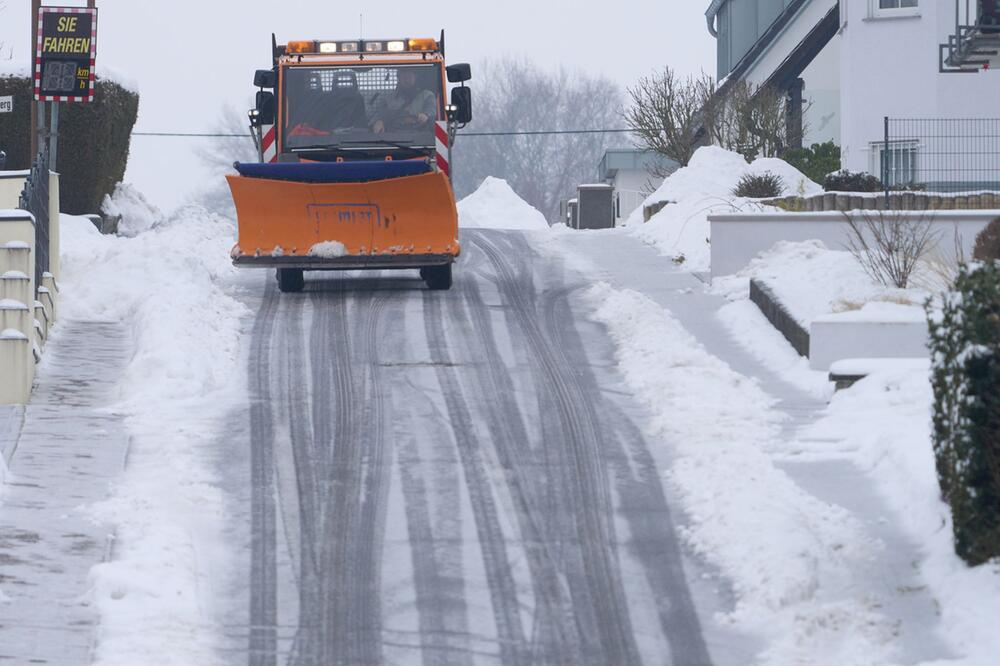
column 965, row 343
column 93, row 141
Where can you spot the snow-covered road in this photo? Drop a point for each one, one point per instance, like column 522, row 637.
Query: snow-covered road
column 451, row 477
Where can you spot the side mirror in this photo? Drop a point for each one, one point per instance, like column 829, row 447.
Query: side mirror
column 264, row 78
column 265, row 108
column 459, row 73
column 461, row 99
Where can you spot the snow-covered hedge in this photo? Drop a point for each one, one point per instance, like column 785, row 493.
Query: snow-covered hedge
column 93, row 139
column 965, row 343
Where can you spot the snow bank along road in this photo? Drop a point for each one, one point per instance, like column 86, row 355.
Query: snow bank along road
column 452, row 478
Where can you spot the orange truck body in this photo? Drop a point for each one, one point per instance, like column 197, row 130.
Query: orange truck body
column 408, row 221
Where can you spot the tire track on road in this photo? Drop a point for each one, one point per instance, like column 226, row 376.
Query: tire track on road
column 606, row 625
column 263, row 645
column 554, row 637
column 499, row 574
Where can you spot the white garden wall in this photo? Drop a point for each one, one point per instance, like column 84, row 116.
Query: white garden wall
column 738, row 238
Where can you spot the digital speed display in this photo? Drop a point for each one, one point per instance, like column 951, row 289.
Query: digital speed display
column 66, row 50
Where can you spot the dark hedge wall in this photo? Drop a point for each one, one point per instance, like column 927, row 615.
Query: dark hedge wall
column 965, row 346
column 93, row 141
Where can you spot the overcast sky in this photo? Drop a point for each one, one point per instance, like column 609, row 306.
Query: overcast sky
column 189, row 57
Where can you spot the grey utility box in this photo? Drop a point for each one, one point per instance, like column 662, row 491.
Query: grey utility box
column 572, row 210
column 596, row 207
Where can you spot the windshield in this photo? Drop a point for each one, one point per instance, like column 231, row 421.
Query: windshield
column 357, row 107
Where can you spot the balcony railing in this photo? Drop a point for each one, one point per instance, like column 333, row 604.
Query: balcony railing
column 975, row 44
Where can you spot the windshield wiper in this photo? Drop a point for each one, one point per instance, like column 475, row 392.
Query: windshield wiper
column 383, row 142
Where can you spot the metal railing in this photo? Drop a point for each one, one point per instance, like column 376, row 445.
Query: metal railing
column 975, row 44
column 35, row 200
column 939, row 154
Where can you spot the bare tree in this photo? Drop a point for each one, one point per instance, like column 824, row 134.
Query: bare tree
column 5, row 53
column 889, row 245
column 666, row 112
column 747, row 119
column 219, row 154
column 515, row 95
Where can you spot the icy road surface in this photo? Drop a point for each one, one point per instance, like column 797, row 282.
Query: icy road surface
column 450, row 478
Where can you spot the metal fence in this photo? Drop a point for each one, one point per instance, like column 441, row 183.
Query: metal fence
column 975, row 43
column 939, row 154
column 35, row 200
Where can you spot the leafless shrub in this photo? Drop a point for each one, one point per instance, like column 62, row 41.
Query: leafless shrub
column 748, row 119
column 666, row 112
column 516, row 95
column 889, row 245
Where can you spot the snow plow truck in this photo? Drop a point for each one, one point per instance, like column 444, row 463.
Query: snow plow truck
column 354, row 142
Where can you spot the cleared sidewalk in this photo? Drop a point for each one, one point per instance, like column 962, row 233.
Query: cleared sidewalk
column 70, row 448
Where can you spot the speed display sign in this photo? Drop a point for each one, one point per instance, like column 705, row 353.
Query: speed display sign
column 65, row 54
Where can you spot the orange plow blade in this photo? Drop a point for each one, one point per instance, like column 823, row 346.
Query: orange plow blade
column 404, row 222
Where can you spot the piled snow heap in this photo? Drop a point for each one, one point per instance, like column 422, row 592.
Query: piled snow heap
column 705, row 187
column 496, row 206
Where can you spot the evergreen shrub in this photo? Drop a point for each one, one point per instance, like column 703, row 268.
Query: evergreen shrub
column 965, row 347
column 817, row 161
column 759, row 186
column 94, row 141
column 851, row 181
column 988, row 243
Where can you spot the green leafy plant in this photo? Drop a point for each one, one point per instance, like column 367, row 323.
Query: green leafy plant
column 851, row 181
column 965, row 348
column 759, row 186
column 817, row 161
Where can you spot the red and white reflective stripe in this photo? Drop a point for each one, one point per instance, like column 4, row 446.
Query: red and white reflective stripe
column 441, row 145
column 269, row 147
column 93, row 54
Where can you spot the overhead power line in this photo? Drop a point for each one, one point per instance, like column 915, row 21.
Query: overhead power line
column 209, row 135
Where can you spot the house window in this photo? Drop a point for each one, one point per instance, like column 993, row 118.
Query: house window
column 897, row 164
column 894, row 8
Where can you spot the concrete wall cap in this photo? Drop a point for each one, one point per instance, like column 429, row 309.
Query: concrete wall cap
column 778, row 215
column 11, row 304
column 13, row 334
column 15, row 214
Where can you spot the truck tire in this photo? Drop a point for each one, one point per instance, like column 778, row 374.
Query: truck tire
column 438, row 278
column 291, row 280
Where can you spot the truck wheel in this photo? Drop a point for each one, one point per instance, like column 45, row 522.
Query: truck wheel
column 291, row 280
column 438, row 278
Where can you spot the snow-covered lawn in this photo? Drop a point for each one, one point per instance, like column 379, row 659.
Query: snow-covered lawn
column 812, row 280
column 170, row 286
column 705, row 187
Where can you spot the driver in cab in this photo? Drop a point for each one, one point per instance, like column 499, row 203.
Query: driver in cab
column 408, row 106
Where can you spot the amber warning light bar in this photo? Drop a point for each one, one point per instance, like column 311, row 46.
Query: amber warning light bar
column 306, row 47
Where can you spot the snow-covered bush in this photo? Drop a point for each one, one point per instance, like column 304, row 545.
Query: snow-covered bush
column 759, row 186
column 851, row 181
column 965, row 347
column 988, row 243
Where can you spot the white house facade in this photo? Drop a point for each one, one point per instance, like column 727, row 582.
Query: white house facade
column 890, row 67
column 858, row 62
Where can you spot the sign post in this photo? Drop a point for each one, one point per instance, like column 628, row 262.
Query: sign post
column 65, row 56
